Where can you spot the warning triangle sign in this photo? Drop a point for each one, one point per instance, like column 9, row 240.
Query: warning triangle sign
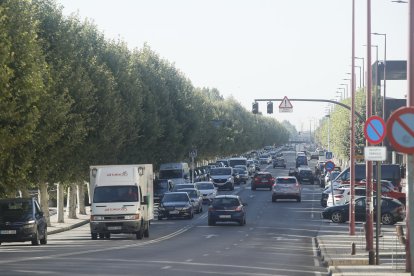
column 285, row 103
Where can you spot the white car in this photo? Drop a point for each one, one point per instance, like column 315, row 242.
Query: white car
column 343, row 195
column 207, row 190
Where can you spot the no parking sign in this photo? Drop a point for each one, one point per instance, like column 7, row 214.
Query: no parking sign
column 400, row 127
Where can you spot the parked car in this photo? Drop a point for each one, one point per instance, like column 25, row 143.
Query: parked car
column 21, row 219
column 207, row 190
column 176, row 204
column 279, row 162
column 343, row 195
column 227, row 208
column 286, row 187
column 392, row 211
column 196, row 199
column 305, row 174
column 262, row 180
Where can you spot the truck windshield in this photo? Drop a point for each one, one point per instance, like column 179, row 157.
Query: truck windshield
column 115, row 194
column 161, row 185
column 171, row 174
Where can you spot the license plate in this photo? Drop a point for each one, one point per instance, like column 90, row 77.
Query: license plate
column 264, row 181
column 175, row 212
column 225, row 216
column 8, row 232
column 114, row 227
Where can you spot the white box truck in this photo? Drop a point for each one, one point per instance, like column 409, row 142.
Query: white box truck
column 177, row 172
column 121, row 198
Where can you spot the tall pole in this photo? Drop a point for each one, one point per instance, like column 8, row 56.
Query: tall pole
column 410, row 157
column 363, row 71
column 352, row 138
column 369, row 206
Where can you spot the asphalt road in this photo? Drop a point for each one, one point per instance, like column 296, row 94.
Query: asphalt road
column 277, row 240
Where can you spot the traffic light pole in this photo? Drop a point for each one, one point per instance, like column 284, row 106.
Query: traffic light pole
column 313, row 100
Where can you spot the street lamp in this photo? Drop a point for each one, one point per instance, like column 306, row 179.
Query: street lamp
column 363, row 70
column 359, row 67
column 340, row 96
column 343, row 91
column 346, row 88
column 385, row 74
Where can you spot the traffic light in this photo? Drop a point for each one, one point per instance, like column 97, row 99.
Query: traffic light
column 269, row 107
column 255, row 107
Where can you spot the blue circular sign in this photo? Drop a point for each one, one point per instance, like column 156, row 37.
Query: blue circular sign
column 401, row 129
column 329, row 166
column 374, row 129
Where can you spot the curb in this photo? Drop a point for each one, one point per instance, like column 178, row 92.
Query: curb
column 55, row 231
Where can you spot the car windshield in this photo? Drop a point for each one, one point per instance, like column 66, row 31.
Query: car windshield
column 12, row 211
column 238, row 170
column 225, row 202
column 286, row 181
column 175, row 197
column 205, row 186
column 171, row 174
column 115, row 194
column 221, row 171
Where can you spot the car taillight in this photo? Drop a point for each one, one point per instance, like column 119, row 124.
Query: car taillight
column 257, row 179
column 272, row 179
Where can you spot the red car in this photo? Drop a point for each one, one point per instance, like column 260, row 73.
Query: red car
column 263, row 180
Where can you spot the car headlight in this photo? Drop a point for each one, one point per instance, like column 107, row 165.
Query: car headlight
column 29, row 224
column 229, row 179
column 136, row 216
column 97, row 218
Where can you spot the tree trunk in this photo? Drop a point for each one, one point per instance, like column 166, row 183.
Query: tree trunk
column 60, row 203
column 72, row 201
column 81, row 198
column 44, row 201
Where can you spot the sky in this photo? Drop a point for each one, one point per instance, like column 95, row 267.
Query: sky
column 259, row 49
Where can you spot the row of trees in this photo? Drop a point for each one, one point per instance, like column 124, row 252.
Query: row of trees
column 70, row 98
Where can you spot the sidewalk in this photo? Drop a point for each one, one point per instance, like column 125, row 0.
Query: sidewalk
column 335, row 250
column 68, row 223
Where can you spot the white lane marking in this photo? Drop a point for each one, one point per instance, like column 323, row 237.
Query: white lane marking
column 189, row 260
column 210, row 236
column 166, row 267
column 205, row 255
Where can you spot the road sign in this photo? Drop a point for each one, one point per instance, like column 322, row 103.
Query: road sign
column 400, row 127
column 375, row 153
column 285, row 105
column 329, row 166
column 328, row 155
column 374, row 130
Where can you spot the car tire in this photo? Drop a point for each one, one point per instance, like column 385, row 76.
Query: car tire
column 146, row 232
column 337, row 217
column 241, row 222
column 36, row 240
column 94, row 236
column 299, row 199
column 107, row 236
column 387, row 219
column 211, row 222
column 101, row 236
column 44, row 239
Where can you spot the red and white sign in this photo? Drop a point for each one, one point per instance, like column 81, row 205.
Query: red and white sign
column 285, row 105
column 400, row 128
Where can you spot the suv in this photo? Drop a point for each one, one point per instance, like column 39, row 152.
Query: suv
column 21, row 219
column 262, row 180
column 305, row 174
column 279, row 162
column 222, row 178
column 286, row 187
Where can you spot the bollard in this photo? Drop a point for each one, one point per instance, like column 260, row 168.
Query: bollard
column 353, row 248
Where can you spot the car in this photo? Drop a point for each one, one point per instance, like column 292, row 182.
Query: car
column 314, row 155
column 196, row 199
column 162, row 186
column 243, row 173
column 21, row 220
column 305, row 174
column 227, row 208
column 176, row 204
column 343, row 195
column 279, row 162
column 251, row 166
column 222, row 178
column 207, row 190
column 286, row 187
column 265, row 159
column 330, row 176
column 262, row 180
column 392, row 211
column 301, row 160
column 183, row 186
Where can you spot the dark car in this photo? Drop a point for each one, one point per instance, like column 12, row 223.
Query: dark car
column 305, row 174
column 176, row 204
column 301, row 160
column 161, row 186
column 262, row 180
column 21, row 219
column 392, row 211
column 279, row 162
column 227, row 208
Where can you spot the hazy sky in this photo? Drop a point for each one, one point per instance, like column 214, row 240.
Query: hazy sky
column 253, row 49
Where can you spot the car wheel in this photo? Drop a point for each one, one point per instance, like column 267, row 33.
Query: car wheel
column 387, row 219
column 94, row 236
column 140, row 234
column 146, row 232
column 36, row 240
column 101, row 235
column 44, row 240
column 160, row 217
column 337, row 217
column 299, row 199
column 211, row 222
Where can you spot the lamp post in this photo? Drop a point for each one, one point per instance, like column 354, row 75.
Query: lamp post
column 385, row 72
column 346, row 88
column 343, row 91
column 340, row 95
column 363, row 70
column 375, row 111
column 360, row 76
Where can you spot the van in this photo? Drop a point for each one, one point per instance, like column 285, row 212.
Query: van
column 223, row 178
column 237, row 161
column 390, row 172
column 176, row 172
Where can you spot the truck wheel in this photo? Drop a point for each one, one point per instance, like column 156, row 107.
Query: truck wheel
column 146, row 232
column 140, row 233
column 94, row 236
column 101, row 235
column 107, row 236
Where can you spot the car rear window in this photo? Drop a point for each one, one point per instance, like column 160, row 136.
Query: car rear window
column 221, row 202
column 286, row 181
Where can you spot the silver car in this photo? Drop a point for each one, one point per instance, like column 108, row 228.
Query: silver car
column 286, row 187
column 196, row 199
column 207, row 190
